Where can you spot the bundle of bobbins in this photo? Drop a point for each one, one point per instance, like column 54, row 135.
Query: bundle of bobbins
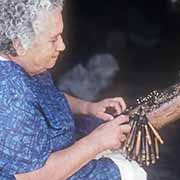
column 142, row 143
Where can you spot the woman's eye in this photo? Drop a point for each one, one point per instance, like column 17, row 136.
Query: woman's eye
column 53, row 41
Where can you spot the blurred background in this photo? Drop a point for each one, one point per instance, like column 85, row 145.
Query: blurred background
column 128, row 49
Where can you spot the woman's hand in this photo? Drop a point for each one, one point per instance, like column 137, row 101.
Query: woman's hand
column 110, row 135
column 98, row 109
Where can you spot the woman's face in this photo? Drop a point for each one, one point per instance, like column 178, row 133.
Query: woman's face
column 48, row 43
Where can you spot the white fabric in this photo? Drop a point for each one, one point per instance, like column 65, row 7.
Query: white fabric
column 130, row 170
column 3, row 59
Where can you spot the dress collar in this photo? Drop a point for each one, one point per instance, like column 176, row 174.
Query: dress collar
column 3, row 59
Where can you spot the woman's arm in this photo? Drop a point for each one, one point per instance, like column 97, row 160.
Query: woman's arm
column 96, row 109
column 62, row 164
column 78, row 106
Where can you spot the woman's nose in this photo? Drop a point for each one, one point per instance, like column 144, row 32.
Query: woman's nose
column 60, row 46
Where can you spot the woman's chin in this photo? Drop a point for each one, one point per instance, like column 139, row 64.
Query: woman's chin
column 51, row 65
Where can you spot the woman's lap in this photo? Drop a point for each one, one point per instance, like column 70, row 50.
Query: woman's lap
column 102, row 169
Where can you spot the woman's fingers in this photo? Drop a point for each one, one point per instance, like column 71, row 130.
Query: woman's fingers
column 125, row 128
column 105, row 116
column 121, row 101
column 117, row 103
column 116, row 106
column 123, row 138
column 121, row 120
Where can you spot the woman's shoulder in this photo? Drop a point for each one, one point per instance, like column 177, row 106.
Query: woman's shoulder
column 13, row 79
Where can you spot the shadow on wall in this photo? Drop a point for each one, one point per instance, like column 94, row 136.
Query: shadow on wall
column 88, row 81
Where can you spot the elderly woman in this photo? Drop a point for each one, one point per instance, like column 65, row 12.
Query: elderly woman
column 37, row 131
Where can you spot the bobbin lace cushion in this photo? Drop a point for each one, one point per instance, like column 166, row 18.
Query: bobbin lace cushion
column 35, row 120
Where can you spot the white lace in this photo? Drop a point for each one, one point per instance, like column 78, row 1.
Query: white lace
column 129, row 170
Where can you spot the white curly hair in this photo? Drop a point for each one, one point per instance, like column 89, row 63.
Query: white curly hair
column 16, row 21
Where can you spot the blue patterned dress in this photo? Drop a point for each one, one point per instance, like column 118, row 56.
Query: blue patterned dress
column 35, row 121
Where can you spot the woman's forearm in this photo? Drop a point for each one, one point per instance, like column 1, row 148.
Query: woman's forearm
column 62, row 164
column 78, row 106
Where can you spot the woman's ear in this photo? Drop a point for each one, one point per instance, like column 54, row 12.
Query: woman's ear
column 20, row 50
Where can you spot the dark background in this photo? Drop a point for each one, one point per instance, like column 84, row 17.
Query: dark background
column 144, row 37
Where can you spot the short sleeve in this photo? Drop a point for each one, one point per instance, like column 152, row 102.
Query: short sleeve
column 24, row 140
